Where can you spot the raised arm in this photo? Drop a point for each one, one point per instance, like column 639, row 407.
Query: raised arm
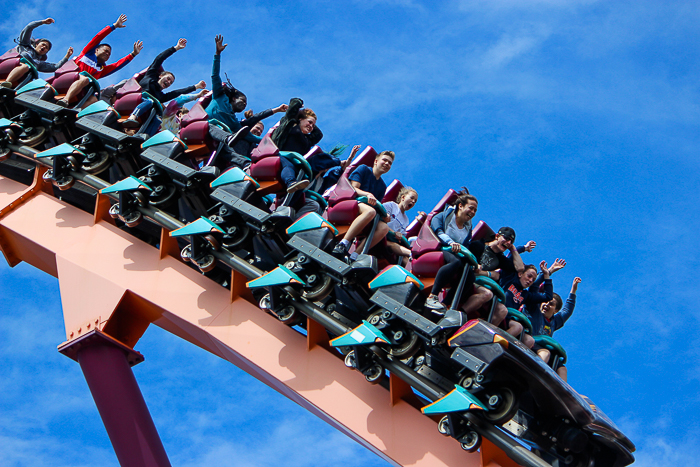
column 111, row 68
column 25, row 37
column 104, row 33
column 568, row 309
column 253, row 119
column 548, row 294
column 216, row 84
column 517, row 260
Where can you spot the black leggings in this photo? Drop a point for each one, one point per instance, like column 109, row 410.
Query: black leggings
column 451, row 273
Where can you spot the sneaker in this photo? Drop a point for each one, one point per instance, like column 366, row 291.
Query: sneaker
column 434, row 304
column 6, row 84
column 62, row 103
column 131, row 123
column 296, row 186
column 340, row 250
column 240, row 134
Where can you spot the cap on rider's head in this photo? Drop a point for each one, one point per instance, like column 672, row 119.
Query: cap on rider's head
column 507, row 232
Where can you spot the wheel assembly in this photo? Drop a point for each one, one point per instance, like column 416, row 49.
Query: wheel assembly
column 186, row 253
column 407, row 344
column 132, row 219
column 96, row 162
column 48, row 176
column 471, row 441
column 236, row 234
column 65, row 183
column 289, row 316
column 320, row 287
column 444, row 426
column 350, row 359
column 374, row 373
column 35, row 135
column 502, row 404
column 206, row 264
column 161, row 195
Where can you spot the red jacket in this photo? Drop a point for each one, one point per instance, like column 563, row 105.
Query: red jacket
column 87, row 61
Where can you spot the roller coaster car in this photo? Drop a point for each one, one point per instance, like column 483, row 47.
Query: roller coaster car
column 105, row 136
column 171, row 180
column 241, row 211
column 8, row 62
column 204, row 236
column 530, row 401
column 132, row 192
column 266, row 168
column 43, row 114
column 202, row 150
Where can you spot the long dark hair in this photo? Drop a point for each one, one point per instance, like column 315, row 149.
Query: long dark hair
column 463, row 196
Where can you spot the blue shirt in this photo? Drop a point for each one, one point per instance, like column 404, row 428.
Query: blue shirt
column 365, row 177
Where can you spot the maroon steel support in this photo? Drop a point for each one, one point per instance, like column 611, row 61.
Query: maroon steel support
column 106, row 365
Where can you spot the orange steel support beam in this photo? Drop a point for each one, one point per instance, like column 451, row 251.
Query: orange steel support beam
column 111, row 281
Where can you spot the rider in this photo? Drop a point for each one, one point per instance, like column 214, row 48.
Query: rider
column 368, row 182
column 406, row 199
column 35, row 51
column 155, row 82
column 226, row 102
column 453, row 227
column 93, row 60
column 549, row 317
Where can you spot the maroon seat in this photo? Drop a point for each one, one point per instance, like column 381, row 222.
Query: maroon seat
column 425, row 242
column 428, row 265
column 266, row 169
column 415, row 226
column 205, row 100
column 343, row 191
column 8, row 62
column 314, row 151
column 128, row 97
column 196, row 114
column 483, row 232
column 366, row 157
column 266, row 148
column 64, row 77
column 392, row 191
column 194, row 131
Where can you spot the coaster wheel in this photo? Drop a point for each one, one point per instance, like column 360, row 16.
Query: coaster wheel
column 289, row 316
column 206, row 264
column 161, row 194
column 407, row 344
column 502, row 403
column 35, row 136
column 114, row 211
column 211, row 240
column 73, row 161
column 186, row 253
column 471, row 441
column 374, row 374
column 321, row 286
column 132, row 219
column 236, row 235
column 96, row 162
column 65, row 183
column 444, row 426
column 350, row 359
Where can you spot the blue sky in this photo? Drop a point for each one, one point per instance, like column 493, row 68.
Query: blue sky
column 575, row 122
